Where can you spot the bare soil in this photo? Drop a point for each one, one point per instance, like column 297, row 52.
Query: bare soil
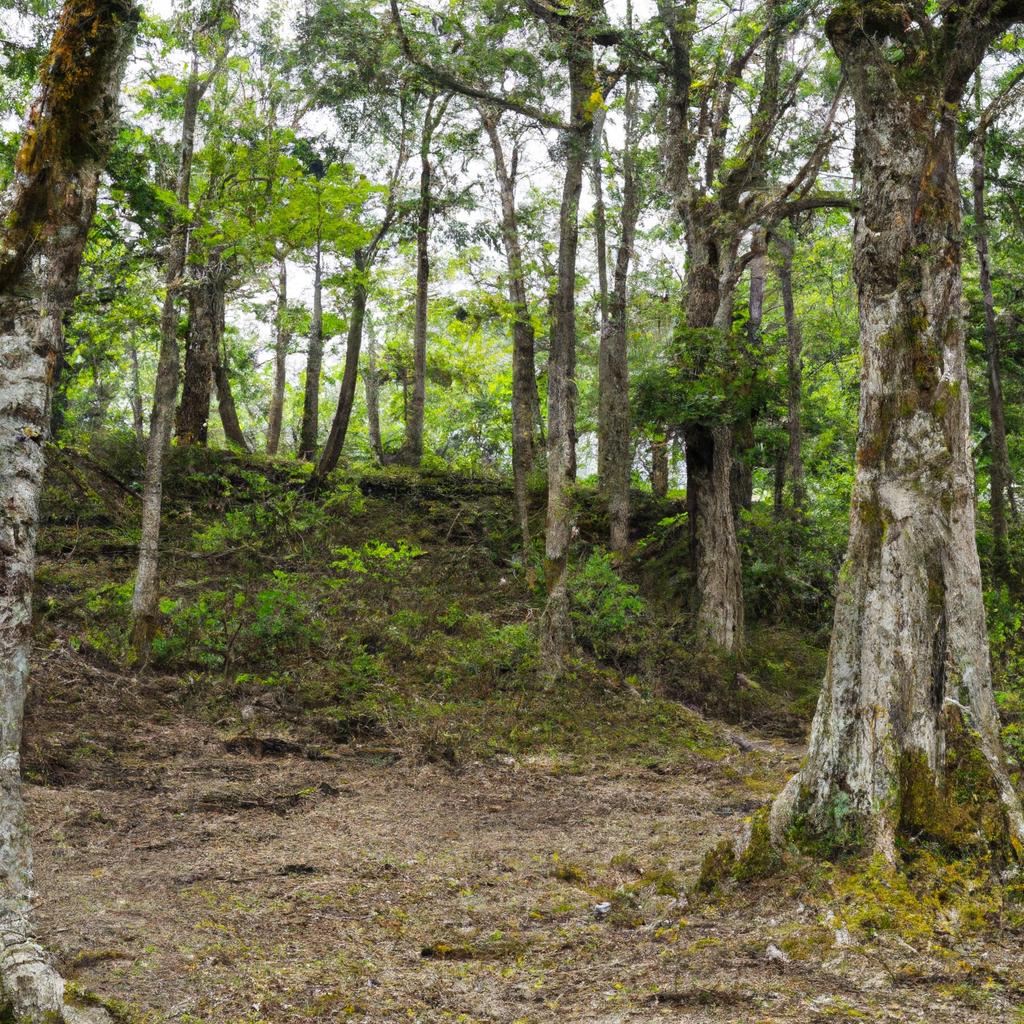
column 187, row 878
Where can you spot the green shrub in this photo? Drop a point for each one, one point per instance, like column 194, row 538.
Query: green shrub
column 604, row 605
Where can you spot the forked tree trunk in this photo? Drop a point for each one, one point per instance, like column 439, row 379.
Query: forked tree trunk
column 795, row 369
column 45, row 220
column 282, row 341
column 1000, row 476
column 556, row 628
column 906, row 736
column 205, row 303
column 371, row 385
column 314, row 361
column 346, row 396
column 614, row 451
column 524, row 373
column 226, row 404
column 145, row 599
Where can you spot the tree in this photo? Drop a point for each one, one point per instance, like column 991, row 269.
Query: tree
column 907, row 706
column 206, row 37
column 46, row 220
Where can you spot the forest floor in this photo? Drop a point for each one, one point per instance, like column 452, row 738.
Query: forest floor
column 220, row 867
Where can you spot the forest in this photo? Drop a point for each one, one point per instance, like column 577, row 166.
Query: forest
column 510, row 511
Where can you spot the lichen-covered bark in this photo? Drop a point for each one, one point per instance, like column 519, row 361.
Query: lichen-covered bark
column 282, row 342
column 794, row 377
column 909, row 654
column 46, row 218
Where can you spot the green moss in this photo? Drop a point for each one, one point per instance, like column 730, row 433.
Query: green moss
column 716, row 867
column 760, row 859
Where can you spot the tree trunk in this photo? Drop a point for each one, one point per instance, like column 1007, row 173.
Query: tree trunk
column 795, row 369
column 138, row 418
column 371, row 384
column 412, row 451
column 145, row 599
column 282, row 341
column 600, row 216
column 524, row 372
column 225, row 399
column 205, row 301
column 346, row 397
column 1000, row 477
column 46, row 220
column 614, row 452
column 906, row 735
column 659, row 467
column 556, row 630
column 314, row 361
column 709, row 483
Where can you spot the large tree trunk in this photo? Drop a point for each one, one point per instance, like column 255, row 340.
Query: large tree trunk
column 614, row 451
column 1000, row 477
column 795, row 369
column 412, row 451
column 906, row 736
column 205, row 301
column 524, row 372
column 346, row 396
column 556, row 631
column 282, row 342
column 145, row 599
column 314, row 361
column 371, row 385
column 709, row 483
column 45, row 222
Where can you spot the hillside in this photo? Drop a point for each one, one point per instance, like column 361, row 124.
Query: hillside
column 341, row 791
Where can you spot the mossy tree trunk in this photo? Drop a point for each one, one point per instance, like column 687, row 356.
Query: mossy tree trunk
column 205, row 302
column 46, row 221
column 282, row 342
column 794, row 373
column 314, row 361
column 909, row 662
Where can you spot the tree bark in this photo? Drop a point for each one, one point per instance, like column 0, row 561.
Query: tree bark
column 371, row 384
column 346, row 397
column 556, row 627
column 145, row 599
column 138, row 418
column 225, row 398
column 282, row 342
column 524, row 371
column 205, row 301
column 795, row 367
column 614, row 452
column 412, row 451
column 45, row 222
column 1000, row 476
column 314, row 361
column 659, row 467
column 907, row 706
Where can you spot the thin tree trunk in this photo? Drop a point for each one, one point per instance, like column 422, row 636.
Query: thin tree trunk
column 145, row 599
column 600, row 217
column 556, row 631
column 659, row 467
column 613, row 434
column 282, row 342
column 45, row 222
column 907, row 705
column 193, row 416
column 314, row 361
column 1000, row 477
column 412, row 451
column 346, row 397
column 138, row 418
column 371, row 384
column 795, row 367
column 225, row 399
column 524, row 373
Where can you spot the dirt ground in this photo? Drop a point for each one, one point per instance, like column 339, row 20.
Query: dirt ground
column 186, row 879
